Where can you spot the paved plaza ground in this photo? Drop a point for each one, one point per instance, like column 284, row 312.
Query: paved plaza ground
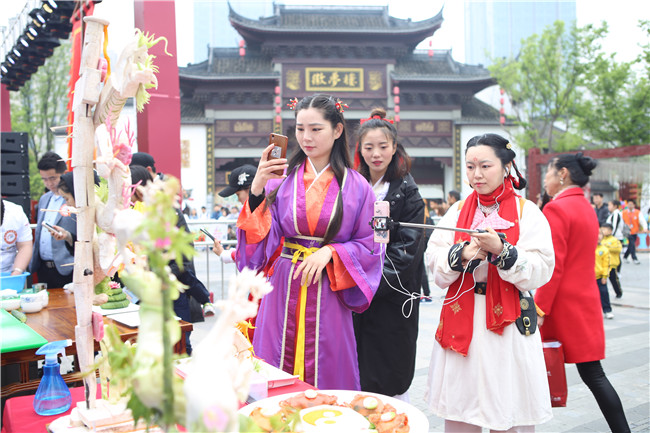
column 626, row 364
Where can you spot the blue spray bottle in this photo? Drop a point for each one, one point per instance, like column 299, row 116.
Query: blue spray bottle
column 53, row 395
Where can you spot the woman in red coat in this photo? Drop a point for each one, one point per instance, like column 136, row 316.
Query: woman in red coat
column 570, row 302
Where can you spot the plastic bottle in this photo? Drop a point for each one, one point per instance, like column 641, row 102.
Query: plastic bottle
column 53, row 395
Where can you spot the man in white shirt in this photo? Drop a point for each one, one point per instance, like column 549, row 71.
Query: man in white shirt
column 16, row 249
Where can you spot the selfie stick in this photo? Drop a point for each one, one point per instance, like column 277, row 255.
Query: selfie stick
column 390, row 225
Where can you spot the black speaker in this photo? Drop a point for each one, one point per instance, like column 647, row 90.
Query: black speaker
column 13, row 142
column 14, row 169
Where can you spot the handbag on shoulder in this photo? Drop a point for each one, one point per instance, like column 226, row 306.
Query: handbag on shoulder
column 527, row 321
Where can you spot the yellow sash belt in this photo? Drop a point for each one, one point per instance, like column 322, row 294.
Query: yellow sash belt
column 300, row 253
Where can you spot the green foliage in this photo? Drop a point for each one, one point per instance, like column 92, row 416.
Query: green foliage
column 41, row 102
column 544, row 82
column 616, row 112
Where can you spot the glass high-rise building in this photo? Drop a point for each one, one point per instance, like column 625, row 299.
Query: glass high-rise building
column 212, row 18
column 495, row 28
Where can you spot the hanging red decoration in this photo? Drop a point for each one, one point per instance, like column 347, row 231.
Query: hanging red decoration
column 242, row 52
column 397, row 118
column 278, row 119
column 278, row 100
column 397, row 109
column 396, row 90
column 502, row 120
column 396, row 99
column 277, row 90
column 241, row 43
column 502, row 111
column 278, row 109
column 502, row 91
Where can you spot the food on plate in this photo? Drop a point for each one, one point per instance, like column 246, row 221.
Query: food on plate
column 390, row 422
column 309, row 398
column 367, row 404
column 327, row 418
column 313, row 411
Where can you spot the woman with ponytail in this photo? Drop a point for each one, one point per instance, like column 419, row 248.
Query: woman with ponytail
column 570, row 303
column 484, row 373
column 387, row 331
column 329, row 267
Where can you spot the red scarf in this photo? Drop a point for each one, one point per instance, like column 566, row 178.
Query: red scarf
column 502, row 299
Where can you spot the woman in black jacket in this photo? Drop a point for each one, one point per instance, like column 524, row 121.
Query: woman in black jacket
column 387, row 331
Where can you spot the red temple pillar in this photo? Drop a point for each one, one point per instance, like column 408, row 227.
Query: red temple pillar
column 159, row 125
column 5, row 109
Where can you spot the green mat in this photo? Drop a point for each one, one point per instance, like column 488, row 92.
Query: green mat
column 16, row 335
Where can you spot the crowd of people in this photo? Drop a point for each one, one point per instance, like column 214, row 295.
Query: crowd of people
column 345, row 310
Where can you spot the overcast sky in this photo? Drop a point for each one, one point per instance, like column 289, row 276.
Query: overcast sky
column 622, row 17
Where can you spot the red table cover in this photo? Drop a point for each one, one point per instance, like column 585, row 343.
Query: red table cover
column 19, row 415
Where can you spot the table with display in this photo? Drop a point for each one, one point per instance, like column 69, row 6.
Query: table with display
column 53, row 323
column 19, row 415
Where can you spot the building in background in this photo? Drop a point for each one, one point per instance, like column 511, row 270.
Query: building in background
column 495, row 28
column 234, row 99
column 212, row 25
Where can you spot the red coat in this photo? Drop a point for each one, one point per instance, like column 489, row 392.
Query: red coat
column 571, row 300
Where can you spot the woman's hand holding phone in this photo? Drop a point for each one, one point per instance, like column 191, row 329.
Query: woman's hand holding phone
column 266, row 168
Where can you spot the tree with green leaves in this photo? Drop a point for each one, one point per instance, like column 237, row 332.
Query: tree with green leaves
column 544, row 83
column 616, row 109
column 41, row 104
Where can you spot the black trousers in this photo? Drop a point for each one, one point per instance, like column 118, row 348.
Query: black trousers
column 631, row 247
column 52, row 277
column 616, row 283
column 593, row 376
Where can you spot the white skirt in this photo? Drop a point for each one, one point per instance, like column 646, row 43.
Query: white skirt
column 501, row 382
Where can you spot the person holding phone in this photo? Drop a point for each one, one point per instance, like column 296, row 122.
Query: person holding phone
column 50, row 252
column 239, row 183
column 387, row 332
column 485, row 372
column 329, row 264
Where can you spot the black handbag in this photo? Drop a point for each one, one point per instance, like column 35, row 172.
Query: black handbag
column 527, row 321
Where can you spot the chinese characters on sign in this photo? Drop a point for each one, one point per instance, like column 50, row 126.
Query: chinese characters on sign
column 334, row 79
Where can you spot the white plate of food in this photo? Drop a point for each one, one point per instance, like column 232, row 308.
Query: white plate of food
column 339, row 410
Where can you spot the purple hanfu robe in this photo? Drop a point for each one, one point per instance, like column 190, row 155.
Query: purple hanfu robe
column 330, row 349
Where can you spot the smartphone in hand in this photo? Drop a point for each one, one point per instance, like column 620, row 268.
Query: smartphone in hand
column 381, row 234
column 279, row 150
column 207, row 233
column 50, row 228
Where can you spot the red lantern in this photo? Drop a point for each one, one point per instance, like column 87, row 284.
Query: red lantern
column 278, row 100
column 241, row 43
column 502, row 120
column 397, row 109
column 430, row 53
column 397, row 118
column 278, row 109
column 396, row 90
column 502, row 111
column 502, row 91
column 501, row 101
column 396, row 99
column 278, row 119
column 277, row 90
column 242, row 52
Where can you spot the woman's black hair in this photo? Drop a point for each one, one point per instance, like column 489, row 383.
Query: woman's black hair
column 578, row 165
column 501, row 150
column 400, row 164
column 339, row 158
column 66, row 184
column 140, row 173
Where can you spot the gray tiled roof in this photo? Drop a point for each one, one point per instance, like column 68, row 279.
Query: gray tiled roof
column 441, row 66
column 192, row 112
column 474, row 110
column 335, row 19
column 227, row 63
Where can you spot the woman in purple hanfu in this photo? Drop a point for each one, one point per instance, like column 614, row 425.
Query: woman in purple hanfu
column 320, row 213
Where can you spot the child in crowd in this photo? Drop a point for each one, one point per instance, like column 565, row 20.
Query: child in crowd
column 615, row 247
column 602, row 271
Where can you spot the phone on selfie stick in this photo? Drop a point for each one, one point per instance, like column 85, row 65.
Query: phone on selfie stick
column 207, row 233
column 279, row 150
column 380, row 231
